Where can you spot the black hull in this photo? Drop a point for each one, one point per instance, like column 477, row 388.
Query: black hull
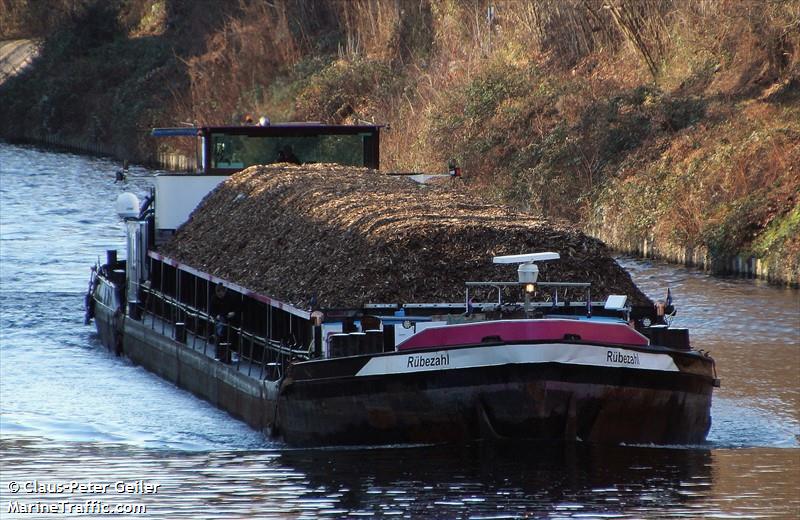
column 328, row 403
column 534, row 402
column 246, row 398
column 107, row 324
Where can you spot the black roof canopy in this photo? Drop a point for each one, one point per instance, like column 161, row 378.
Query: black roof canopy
column 278, row 129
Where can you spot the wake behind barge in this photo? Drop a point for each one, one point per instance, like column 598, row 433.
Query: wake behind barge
column 514, row 360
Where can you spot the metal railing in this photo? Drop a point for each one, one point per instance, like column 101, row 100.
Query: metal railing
column 553, row 294
column 172, row 313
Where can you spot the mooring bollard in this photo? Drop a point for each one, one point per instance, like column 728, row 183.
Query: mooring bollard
column 224, row 352
column 180, row 332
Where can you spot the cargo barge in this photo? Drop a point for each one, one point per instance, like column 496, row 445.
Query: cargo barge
column 519, row 359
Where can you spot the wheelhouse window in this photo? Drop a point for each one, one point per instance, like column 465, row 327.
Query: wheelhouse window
column 240, row 151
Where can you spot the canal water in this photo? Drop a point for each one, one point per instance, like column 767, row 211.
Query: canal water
column 72, row 415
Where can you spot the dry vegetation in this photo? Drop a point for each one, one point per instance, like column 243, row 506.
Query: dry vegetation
column 670, row 118
column 348, row 236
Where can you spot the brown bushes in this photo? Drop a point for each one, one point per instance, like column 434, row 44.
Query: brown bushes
column 555, row 105
column 233, row 77
column 35, row 19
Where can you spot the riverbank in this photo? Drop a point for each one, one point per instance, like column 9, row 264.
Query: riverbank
column 15, row 56
column 163, row 159
column 778, row 270
column 666, row 130
column 775, row 269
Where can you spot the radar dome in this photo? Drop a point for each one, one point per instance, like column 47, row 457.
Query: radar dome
column 127, row 205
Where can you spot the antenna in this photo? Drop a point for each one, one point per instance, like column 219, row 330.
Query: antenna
column 529, row 257
column 528, row 271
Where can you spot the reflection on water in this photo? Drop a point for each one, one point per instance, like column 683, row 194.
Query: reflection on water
column 69, row 411
column 516, row 481
column 434, row 480
column 753, row 332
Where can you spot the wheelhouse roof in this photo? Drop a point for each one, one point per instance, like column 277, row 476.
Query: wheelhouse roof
column 278, row 129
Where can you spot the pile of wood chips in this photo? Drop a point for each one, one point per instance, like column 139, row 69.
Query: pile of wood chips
column 344, row 236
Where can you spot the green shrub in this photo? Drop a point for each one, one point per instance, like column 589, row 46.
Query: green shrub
column 488, row 91
column 734, row 230
column 344, row 84
column 778, row 232
column 680, row 112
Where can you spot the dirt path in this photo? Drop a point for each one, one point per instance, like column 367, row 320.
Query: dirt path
column 15, row 55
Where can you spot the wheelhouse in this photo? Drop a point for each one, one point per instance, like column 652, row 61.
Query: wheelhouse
column 222, row 150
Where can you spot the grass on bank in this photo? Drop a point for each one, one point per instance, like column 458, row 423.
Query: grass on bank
column 668, row 118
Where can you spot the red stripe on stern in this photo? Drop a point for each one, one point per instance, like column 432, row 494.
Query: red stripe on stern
column 524, row 330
